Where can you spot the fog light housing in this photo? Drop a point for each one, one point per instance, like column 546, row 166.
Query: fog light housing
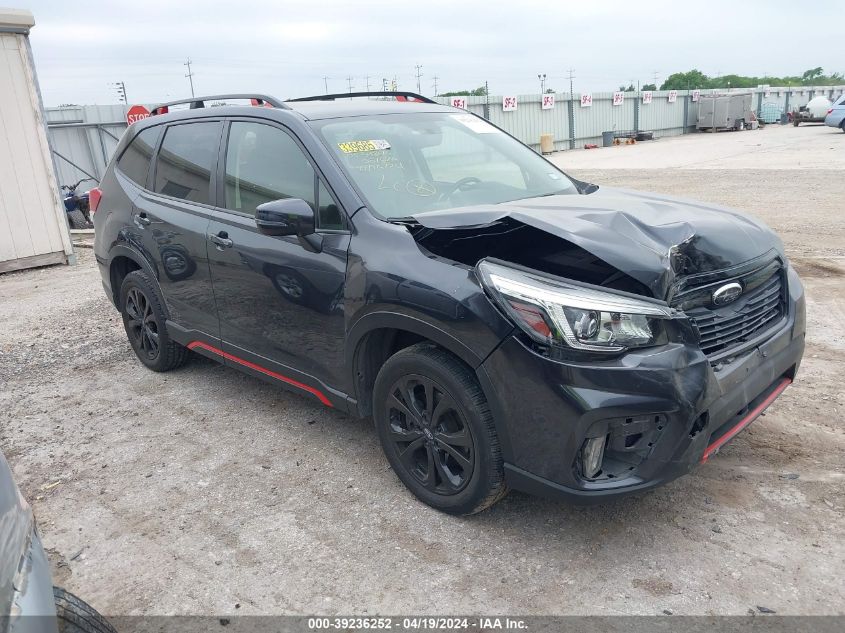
column 591, row 456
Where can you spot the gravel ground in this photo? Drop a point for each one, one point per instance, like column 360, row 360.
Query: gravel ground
column 204, row 491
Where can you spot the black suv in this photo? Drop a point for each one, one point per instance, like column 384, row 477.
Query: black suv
column 505, row 325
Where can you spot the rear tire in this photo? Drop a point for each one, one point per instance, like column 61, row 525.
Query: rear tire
column 74, row 615
column 77, row 220
column 437, row 430
column 144, row 321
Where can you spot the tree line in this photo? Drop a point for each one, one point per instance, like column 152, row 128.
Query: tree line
column 695, row 79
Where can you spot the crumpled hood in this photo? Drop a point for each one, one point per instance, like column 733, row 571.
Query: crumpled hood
column 653, row 238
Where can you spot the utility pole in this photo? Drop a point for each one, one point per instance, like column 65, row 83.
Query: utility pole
column 435, row 85
column 486, row 100
column 542, row 79
column 570, row 109
column 121, row 91
column 349, row 83
column 326, row 83
column 190, row 76
column 654, row 74
column 419, row 74
column 368, row 83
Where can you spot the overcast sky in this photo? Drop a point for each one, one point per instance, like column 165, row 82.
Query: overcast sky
column 285, row 48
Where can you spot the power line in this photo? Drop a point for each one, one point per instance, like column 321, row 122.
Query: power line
column 190, row 75
column 419, row 74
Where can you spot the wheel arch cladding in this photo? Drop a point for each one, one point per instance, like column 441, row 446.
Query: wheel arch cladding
column 120, row 266
column 370, row 344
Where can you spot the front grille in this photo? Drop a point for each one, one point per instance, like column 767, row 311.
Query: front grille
column 726, row 329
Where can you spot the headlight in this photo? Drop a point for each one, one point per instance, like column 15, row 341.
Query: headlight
column 554, row 311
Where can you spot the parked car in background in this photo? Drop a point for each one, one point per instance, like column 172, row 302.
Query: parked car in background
column 29, row 603
column 836, row 114
column 505, row 325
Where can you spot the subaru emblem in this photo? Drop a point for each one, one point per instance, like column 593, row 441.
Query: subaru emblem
column 727, row 293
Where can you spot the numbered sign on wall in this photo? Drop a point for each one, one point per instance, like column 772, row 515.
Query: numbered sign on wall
column 618, row 98
column 647, row 96
column 548, row 102
column 586, row 99
column 508, row 104
column 696, row 94
column 673, row 96
column 459, row 102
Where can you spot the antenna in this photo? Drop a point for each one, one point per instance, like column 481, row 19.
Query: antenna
column 190, row 75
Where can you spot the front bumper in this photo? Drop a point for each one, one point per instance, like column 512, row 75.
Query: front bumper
column 33, row 607
column 664, row 409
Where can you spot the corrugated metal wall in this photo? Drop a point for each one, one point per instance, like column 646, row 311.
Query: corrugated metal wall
column 84, row 137
column 529, row 121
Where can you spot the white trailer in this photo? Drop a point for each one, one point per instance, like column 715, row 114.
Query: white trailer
column 33, row 223
column 724, row 112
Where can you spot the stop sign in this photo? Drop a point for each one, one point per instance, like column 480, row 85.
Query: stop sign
column 136, row 113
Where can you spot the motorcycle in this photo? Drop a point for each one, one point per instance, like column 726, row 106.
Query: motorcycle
column 77, row 206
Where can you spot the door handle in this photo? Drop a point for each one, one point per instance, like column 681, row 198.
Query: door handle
column 221, row 239
column 142, row 219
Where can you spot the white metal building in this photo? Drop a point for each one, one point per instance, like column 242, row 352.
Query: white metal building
column 33, row 223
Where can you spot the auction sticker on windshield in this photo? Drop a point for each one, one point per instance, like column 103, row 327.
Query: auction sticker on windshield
column 479, row 126
column 352, row 147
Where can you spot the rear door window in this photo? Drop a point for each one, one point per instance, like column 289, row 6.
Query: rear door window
column 135, row 161
column 186, row 159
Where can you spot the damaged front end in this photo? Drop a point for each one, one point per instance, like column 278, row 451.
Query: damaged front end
column 649, row 331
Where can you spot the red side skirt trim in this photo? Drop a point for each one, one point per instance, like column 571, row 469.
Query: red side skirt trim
column 746, row 420
column 240, row 361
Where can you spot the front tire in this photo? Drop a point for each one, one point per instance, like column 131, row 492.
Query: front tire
column 437, row 430
column 74, row 615
column 144, row 322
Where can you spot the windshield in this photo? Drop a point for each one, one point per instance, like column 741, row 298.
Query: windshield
column 405, row 164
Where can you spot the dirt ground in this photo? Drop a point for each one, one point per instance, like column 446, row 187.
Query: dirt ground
column 204, row 491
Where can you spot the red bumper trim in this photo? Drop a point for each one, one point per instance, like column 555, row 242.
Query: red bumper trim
column 746, row 420
column 267, row 372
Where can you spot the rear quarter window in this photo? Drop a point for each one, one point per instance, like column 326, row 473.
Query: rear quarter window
column 185, row 161
column 135, row 161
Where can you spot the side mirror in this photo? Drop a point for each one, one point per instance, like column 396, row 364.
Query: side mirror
column 288, row 216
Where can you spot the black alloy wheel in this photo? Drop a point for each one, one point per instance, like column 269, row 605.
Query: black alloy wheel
column 141, row 324
column 145, row 323
column 437, row 430
column 432, row 439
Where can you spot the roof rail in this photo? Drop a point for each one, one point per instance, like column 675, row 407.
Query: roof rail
column 199, row 102
column 400, row 95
